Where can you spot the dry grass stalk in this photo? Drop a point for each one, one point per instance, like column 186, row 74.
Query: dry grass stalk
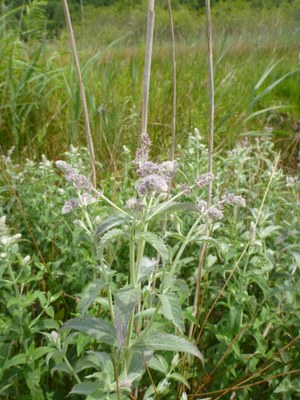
column 82, row 93
column 147, row 67
column 210, row 154
column 173, row 80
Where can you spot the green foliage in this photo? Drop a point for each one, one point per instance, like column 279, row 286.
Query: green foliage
column 254, row 325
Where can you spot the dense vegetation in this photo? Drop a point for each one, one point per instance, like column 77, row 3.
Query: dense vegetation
column 97, row 285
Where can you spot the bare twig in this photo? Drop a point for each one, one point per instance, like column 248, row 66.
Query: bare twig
column 82, row 93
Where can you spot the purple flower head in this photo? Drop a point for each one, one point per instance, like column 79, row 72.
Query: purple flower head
column 88, row 199
column 215, row 213
column 204, row 180
column 70, row 205
column 232, row 199
column 152, row 183
column 186, row 188
column 202, row 205
column 166, row 169
column 147, row 168
column 80, row 181
column 145, row 140
column 134, row 204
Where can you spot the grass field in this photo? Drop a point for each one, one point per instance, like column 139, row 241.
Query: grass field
column 146, row 285
column 256, row 68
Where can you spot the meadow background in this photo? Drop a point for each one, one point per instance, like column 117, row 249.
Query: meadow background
column 251, row 340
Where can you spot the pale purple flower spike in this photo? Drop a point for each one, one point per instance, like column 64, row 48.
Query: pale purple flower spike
column 204, row 180
column 232, row 199
column 80, row 181
column 134, row 204
column 152, row 183
column 202, row 205
column 215, row 213
column 69, row 206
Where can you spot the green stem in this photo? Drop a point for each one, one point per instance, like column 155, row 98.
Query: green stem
column 111, row 203
column 71, row 369
column 184, row 244
column 12, row 276
column 108, row 291
column 146, row 330
column 167, row 203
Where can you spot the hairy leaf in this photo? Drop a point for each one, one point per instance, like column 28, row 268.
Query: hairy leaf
column 155, row 242
column 125, row 300
column 95, row 327
column 172, row 310
column 167, row 342
column 109, row 223
column 107, row 237
column 147, row 267
column 89, row 294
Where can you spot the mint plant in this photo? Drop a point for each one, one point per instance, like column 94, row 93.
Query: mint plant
column 141, row 313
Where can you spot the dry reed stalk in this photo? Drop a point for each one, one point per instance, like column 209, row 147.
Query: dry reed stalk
column 82, row 93
column 147, row 65
column 210, row 155
column 172, row 151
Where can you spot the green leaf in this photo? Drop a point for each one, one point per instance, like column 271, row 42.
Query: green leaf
column 95, row 327
column 61, row 367
column 147, row 267
column 89, row 294
column 112, row 234
column 85, row 388
column 110, row 222
column 179, row 378
column 16, row 360
column 271, row 87
column 167, row 342
column 158, row 363
column 155, row 242
column 172, row 206
column 125, row 300
column 172, row 310
column 182, row 289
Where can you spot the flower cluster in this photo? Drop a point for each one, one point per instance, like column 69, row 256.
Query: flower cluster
column 80, row 182
column 204, row 180
column 232, row 199
column 154, row 177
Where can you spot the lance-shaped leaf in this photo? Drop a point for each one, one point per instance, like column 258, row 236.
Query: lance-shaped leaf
column 125, row 300
column 147, row 267
column 89, row 294
column 110, row 222
column 95, row 327
column 167, row 342
column 155, row 242
column 172, row 310
column 112, row 234
column 172, row 206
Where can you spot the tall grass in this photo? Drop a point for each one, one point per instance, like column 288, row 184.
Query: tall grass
column 40, row 99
